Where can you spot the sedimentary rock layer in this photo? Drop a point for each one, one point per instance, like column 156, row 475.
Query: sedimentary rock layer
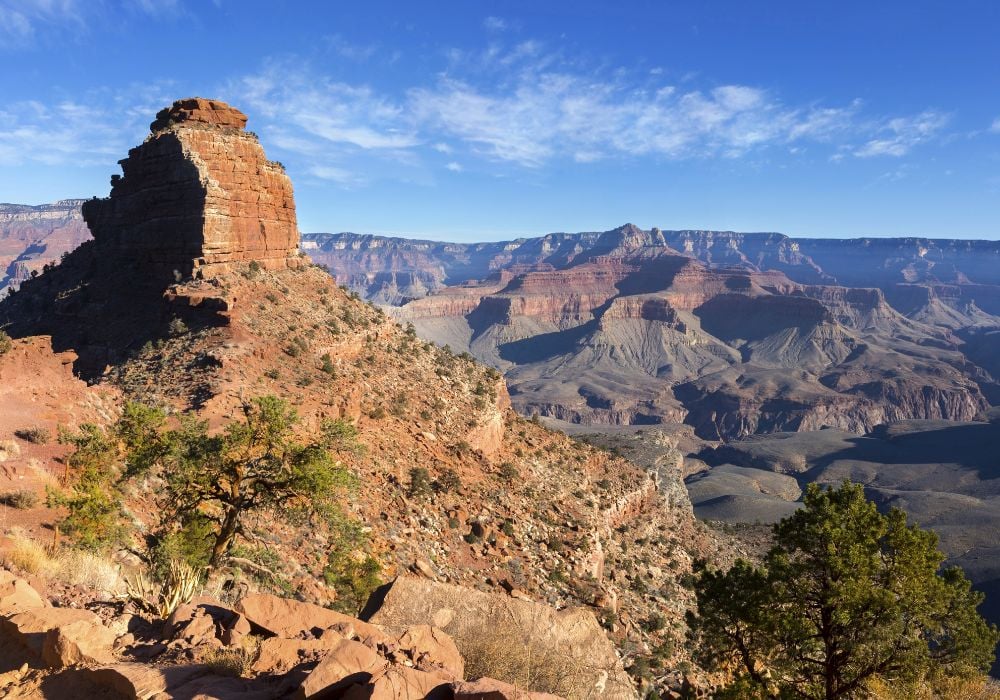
column 198, row 194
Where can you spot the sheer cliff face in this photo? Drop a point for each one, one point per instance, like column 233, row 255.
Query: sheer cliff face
column 197, row 199
column 198, row 195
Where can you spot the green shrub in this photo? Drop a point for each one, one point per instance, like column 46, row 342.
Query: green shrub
column 327, row 365
column 95, row 519
column 5, row 343
column 449, row 481
column 177, row 327
column 508, row 472
column 350, row 569
column 420, row 482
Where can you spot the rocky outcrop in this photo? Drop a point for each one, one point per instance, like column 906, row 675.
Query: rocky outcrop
column 307, row 651
column 570, row 640
column 196, row 200
column 198, row 195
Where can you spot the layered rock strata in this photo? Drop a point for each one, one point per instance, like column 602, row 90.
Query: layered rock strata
column 197, row 195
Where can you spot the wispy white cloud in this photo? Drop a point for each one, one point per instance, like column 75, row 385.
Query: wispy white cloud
column 158, row 7
column 20, row 20
column 509, row 105
column 995, row 126
column 898, row 136
column 326, row 110
column 518, row 104
column 337, row 175
column 549, row 115
column 495, row 24
column 352, row 51
column 23, row 22
column 98, row 127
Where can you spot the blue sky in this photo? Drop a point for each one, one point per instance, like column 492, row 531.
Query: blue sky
column 482, row 120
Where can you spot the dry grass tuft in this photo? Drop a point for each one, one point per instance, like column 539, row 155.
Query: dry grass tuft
column 234, row 661
column 70, row 566
column 23, row 499
column 28, row 556
column 974, row 688
column 524, row 665
column 80, row 568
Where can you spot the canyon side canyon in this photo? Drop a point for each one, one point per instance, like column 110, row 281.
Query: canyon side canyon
column 735, row 334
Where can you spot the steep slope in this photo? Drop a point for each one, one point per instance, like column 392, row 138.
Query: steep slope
column 192, row 296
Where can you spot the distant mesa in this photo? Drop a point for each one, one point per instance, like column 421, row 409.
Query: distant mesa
column 198, row 195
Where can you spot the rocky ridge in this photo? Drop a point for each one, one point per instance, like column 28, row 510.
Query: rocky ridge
column 527, row 513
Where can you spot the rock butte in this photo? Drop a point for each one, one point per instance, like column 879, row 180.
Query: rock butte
column 197, row 195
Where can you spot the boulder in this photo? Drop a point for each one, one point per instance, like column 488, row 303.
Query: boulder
column 432, row 650
column 282, row 617
column 16, row 595
column 80, row 642
column 14, row 676
column 279, row 656
column 491, row 689
column 32, row 626
column 347, row 663
column 236, row 630
column 142, row 681
column 401, row 683
column 570, row 641
column 218, row 688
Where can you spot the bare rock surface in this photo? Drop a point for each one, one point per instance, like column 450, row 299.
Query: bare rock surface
column 470, row 617
column 197, row 195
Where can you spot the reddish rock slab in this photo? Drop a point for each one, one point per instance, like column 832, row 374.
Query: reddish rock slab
column 279, row 656
column 31, row 626
column 291, row 618
column 17, row 595
column 347, row 663
column 432, row 650
column 402, row 683
column 80, row 642
column 142, row 681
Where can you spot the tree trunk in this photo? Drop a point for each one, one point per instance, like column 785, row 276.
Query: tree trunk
column 225, row 536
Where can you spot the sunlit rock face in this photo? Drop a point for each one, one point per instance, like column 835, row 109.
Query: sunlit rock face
column 198, row 195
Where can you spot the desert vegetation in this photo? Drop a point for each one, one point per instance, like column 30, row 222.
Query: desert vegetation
column 208, row 483
column 848, row 600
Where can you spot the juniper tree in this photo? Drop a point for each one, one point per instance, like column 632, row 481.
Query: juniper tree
column 254, row 464
column 845, row 596
column 211, row 481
